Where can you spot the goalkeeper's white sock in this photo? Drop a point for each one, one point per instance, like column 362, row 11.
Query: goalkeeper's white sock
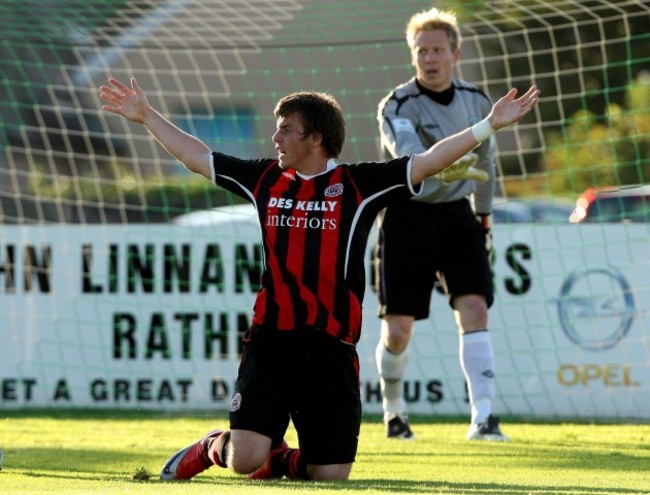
column 391, row 368
column 477, row 361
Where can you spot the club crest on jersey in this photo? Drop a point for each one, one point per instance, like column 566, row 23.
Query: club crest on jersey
column 334, row 190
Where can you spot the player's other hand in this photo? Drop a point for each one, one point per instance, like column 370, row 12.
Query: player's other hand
column 130, row 102
column 463, row 169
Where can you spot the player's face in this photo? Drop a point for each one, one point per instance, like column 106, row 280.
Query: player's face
column 290, row 142
column 434, row 59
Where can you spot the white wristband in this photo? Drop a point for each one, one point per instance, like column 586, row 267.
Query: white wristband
column 482, row 130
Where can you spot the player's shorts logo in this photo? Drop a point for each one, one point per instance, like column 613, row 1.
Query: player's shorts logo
column 235, row 402
column 596, row 307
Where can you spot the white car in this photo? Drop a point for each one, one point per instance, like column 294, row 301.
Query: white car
column 532, row 211
column 221, row 214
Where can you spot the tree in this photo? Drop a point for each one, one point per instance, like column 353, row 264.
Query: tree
column 594, row 150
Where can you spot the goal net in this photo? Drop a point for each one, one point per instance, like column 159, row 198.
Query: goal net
column 120, row 285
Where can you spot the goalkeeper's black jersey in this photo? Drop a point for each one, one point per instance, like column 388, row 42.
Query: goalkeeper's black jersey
column 314, row 235
column 411, row 121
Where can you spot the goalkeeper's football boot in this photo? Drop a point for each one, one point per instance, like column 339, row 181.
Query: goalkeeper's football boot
column 273, row 467
column 488, row 430
column 397, row 426
column 190, row 461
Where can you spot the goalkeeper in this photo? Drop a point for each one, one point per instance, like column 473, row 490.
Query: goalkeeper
column 442, row 235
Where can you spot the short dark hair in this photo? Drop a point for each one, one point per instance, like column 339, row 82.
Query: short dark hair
column 318, row 112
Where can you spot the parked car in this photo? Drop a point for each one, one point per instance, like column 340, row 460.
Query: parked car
column 239, row 213
column 613, row 204
column 532, row 211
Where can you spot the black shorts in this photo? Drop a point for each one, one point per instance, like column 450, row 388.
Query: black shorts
column 306, row 376
column 419, row 244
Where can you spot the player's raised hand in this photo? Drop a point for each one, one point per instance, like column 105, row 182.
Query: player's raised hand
column 509, row 110
column 130, row 102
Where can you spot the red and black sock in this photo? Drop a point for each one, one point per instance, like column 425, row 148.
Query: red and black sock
column 294, row 466
column 216, row 449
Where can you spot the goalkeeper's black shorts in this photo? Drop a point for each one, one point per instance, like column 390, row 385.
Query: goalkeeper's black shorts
column 420, row 244
column 304, row 375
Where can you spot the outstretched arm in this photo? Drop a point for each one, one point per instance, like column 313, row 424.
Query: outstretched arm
column 505, row 112
column 132, row 104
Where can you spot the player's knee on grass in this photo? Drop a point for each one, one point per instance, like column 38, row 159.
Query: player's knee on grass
column 247, row 451
column 329, row 472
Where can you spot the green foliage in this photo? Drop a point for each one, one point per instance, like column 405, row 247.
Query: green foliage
column 147, row 198
column 602, row 150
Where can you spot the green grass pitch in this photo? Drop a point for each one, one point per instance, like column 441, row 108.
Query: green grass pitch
column 111, row 452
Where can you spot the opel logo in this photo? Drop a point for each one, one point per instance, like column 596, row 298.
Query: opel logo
column 596, row 308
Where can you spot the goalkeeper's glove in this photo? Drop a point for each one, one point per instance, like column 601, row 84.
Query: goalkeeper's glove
column 485, row 219
column 462, row 169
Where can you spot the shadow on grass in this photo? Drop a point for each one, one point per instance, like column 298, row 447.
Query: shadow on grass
column 373, row 485
column 560, row 457
column 153, row 413
column 405, row 486
column 78, row 463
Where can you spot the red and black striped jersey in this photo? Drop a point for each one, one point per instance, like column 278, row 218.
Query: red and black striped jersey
column 314, row 234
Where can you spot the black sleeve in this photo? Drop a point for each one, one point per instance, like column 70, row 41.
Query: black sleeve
column 239, row 176
column 391, row 179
